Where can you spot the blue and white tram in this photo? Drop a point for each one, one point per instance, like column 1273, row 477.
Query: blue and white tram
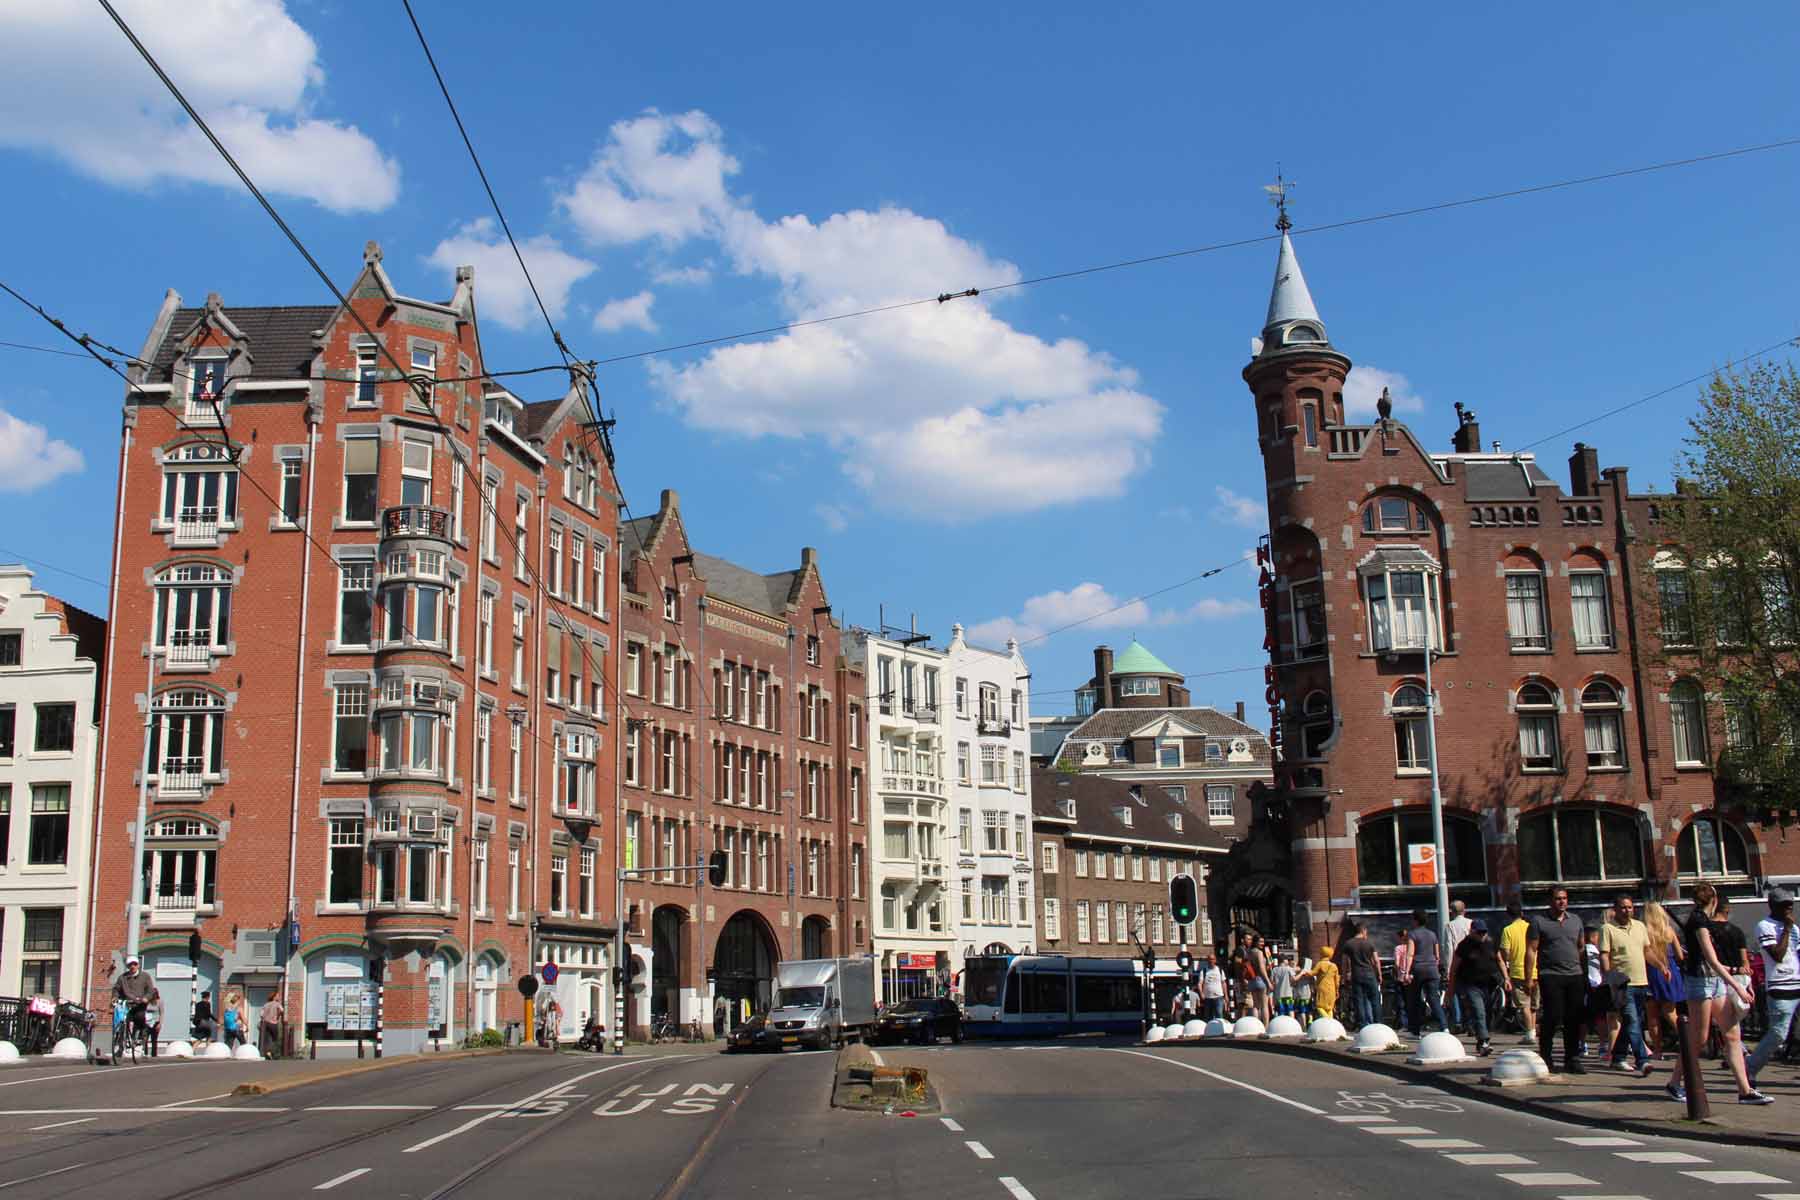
column 1044, row 995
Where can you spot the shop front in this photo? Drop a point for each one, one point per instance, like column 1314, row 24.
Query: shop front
column 909, row 973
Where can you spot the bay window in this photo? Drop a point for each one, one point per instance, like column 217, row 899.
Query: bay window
column 412, row 727
column 1403, row 606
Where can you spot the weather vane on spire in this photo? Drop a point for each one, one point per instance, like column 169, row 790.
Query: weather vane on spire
column 1278, row 194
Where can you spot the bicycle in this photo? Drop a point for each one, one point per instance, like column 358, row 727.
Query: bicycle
column 662, row 1029
column 130, row 1036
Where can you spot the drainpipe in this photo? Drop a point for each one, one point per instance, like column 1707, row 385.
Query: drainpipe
column 112, row 639
column 474, row 766
column 790, row 795
column 293, row 902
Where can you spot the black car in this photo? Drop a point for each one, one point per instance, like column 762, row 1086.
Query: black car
column 923, row 1019
column 753, row 1034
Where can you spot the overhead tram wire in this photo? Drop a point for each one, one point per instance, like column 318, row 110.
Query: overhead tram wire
column 1206, row 574
column 1214, row 247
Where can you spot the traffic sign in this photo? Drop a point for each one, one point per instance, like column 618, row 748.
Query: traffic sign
column 549, row 972
column 528, row 986
column 1421, row 864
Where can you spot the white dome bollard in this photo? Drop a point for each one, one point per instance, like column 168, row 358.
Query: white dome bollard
column 1373, row 1039
column 1439, row 1047
column 1174, row 1031
column 247, row 1053
column 1284, row 1026
column 1155, row 1034
column 69, row 1048
column 1520, row 1066
column 1326, row 1029
column 8, row 1052
column 215, row 1050
column 1194, row 1028
column 178, row 1050
column 1248, row 1027
column 1218, row 1027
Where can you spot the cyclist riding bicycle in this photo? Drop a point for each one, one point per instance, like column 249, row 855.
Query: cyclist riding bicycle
column 138, row 991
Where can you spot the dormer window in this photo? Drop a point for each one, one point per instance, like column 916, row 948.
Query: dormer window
column 1121, row 752
column 1123, row 812
column 671, row 605
column 1175, row 822
column 206, row 390
column 1137, row 792
column 1066, row 806
column 1215, row 753
column 368, row 374
column 1304, row 333
column 1168, row 754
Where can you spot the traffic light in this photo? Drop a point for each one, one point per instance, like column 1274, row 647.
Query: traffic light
column 1184, row 900
column 716, row 865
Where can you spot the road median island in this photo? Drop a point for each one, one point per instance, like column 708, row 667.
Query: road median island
column 863, row 1082
column 1601, row 1098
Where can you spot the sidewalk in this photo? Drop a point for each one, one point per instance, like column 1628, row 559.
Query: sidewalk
column 1602, row 1097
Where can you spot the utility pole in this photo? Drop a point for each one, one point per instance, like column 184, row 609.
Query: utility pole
column 1438, row 865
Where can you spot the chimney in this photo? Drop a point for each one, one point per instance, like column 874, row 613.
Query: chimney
column 1239, row 713
column 810, row 558
column 671, row 500
column 1584, row 471
column 1102, row 677
column 1467, row 438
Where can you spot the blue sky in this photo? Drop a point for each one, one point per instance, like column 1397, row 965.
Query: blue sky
column 1013, row 462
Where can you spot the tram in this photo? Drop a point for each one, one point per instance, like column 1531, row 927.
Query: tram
column 1045, row 995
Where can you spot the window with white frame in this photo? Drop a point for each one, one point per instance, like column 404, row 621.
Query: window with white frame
column 1102, row 921
column 588, row 881
column 1083, row 928
column 484, row 742
column 553, row 568
column 1603, row 726
column 599, row 578
column 1019, row 836
column 577, row 570
column 515, row 764
column 1535, row 704
column 512, row 882
column 671, row 604
column 199, row 492
column 479, row 851
column 521, row 533
column 457, row 473
column 484, row 634
column 962, row 762
column 1403, row 606
column 415, row 471
column 962, row 697
column 350, row 728
column 1221, row 803
column 344, row 861
column 293, row 496
column 181, row 866
column 1168, row 753
column 1591, row 610
column 1526, row 624
column 1049, row 858
column 559, row 884
column 193, row 613
column 1081, row 864
column 1710, row 848
column 362, row 476
column 993, row 765
column 1018, row 776
column 1052, row 919
column 187, row 740
column 368, row 375
column 490, row 507
column 993, row 824
column 1412, row 746
column 1687, row 713
column 518, row 649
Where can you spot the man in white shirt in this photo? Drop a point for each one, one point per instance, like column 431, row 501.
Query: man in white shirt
column 1454, row 933
column 1212, row 989
column 1779, row 937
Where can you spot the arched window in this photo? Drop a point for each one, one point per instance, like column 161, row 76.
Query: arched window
column 193, row 614
column 1580, row 845
column 1687, row 715
column 181, row 865
column 1412, row 751
column 1675, row 599
column 1603, row 726
column 1538, row 746
column 1383, row 857
column 1527, row 623
column 1711, row 849
column 1590, row 608
column 187, row 741
column 1393, row 514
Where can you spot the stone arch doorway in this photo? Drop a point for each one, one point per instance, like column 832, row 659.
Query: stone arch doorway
column 743, row 968
column 668, row 968
column 815, row 938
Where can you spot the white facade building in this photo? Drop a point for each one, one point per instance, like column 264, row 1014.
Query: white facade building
column 50, row 654
column 912, row 914
column 986, row 719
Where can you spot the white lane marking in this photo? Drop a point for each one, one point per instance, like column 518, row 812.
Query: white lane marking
column 1491, row 1160
column 43, row 1175
column 1249, row 1087
column 1437, row 1143
column 61, row 1124
column 346, row 1177
column 1358, row 1119
column 1599, row 1140
column 1779, row 1196
column 979, row 1150
column 1547, row 1179
column 952, row 1126
column 1732, row 1177
column 1016, row 1188
column 77, row 1074
column 195, row 1100
column 372, row 1107
column 52, row 1112
column 1585, row 1196
column 527, row 1102
column 1396, row 1130
column 1659, row 1156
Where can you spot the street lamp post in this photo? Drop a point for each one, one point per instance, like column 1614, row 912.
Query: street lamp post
column 1438, row 864
column 516, row 714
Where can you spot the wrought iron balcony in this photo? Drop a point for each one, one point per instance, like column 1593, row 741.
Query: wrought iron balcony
column 415, row 520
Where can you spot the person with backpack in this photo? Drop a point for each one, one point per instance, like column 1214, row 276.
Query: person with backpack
column 233, row 1019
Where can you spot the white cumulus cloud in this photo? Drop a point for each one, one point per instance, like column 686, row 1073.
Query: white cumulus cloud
column 1091, row 605
column 835, row 516
column 502, row 293
column 628, row 312
column 75, row 89
column 1362, row 388
column 942, row 410
column 1239, row 510
column 30, row 457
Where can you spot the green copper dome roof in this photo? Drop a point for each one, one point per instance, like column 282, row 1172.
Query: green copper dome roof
column 1135, row 660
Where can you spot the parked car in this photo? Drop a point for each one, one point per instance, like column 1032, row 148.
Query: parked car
column 923, row 1019
column 754, row 1034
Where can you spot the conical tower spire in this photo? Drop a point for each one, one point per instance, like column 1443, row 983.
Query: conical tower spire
column 1293, row 318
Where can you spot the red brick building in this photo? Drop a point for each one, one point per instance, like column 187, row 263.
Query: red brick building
column 745, row 734
column 371, row 619
column 1574, row 746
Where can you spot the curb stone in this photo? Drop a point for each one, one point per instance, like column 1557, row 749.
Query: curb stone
column 1710, row 1130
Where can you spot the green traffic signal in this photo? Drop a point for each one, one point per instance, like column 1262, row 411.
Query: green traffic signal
column 1184, row 900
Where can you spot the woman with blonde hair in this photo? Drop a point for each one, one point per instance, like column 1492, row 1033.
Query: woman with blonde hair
column 231, row 1017
column 1711, row 989
column 1662, row 962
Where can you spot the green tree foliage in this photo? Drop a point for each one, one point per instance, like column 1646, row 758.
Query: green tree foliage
column 1729, row 617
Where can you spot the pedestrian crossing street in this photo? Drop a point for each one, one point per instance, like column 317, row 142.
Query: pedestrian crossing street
column 1571, row 1185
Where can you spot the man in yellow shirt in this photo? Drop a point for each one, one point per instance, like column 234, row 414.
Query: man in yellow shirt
column 1622, row 942
column 1325, row 983
column 1512, row 952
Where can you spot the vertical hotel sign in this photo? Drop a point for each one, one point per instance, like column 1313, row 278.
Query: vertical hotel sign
column 1265, row 586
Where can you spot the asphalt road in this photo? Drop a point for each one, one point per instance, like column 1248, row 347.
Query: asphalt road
column 1044, row 1121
